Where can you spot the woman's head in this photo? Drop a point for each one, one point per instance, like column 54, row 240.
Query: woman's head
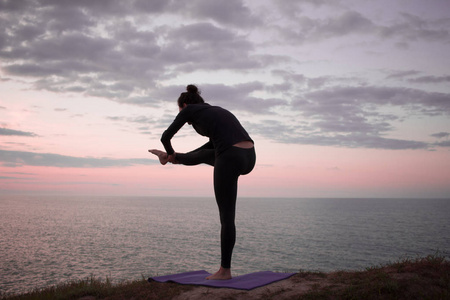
column 192, row 96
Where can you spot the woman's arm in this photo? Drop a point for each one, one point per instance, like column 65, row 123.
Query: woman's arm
column 168, row 134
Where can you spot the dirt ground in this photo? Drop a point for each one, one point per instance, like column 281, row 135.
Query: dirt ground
column 284, row 289
column 424, row 279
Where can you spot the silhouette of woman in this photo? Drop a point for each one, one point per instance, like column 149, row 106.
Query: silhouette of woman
column 230, row 151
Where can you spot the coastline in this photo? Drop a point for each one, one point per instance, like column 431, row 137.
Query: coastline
column 421, row 278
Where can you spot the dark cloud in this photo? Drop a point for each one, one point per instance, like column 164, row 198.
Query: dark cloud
column 413, row 28
column 230, row 13
column 442, row 144
column 363, row 141
column 119, row 50
column 357, row 111
column 14, row 178
column 290, row 133
column 82, row 47
column 441, row 135
column 430, row 79
column 208, row 47
column 294, row 8
column 115, row 118
column 407, row 28
column 395, row 74
column 308, row 30
column 348, row 23
column 345, row 100
column 19, row 158
column 11, row 132
column 412, row 76
column 21, row 173
column 86, row 182
column 351, row 116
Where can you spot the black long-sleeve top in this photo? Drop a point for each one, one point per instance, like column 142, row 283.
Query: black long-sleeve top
column 221, row 126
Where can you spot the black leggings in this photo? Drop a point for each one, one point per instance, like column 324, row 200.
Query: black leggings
column 228, row 166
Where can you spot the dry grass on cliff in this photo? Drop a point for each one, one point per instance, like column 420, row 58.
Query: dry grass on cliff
column 420, row 278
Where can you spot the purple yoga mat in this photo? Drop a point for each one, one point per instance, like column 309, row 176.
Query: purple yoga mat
column 243, row 282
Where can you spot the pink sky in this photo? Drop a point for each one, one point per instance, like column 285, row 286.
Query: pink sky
column 343, row 99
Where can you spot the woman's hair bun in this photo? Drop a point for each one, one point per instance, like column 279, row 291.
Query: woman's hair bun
column 192, row 89
column 192, row 96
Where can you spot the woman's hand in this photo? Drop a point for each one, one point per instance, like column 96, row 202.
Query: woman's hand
column 172, row 158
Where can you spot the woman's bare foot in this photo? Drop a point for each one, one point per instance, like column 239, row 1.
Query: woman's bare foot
column 222, row 274
column 163, row 157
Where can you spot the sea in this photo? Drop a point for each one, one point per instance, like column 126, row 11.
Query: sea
column 47, row 240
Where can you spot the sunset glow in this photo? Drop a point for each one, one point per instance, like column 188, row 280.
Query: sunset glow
column 343, row 99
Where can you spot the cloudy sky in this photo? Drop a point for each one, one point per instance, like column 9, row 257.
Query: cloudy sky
column 345, row 98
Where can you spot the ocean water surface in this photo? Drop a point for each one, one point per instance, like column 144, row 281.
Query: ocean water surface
column 46, row 240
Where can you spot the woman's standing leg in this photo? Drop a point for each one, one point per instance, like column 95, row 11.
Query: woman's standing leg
column 228, row 167
column 225, row 189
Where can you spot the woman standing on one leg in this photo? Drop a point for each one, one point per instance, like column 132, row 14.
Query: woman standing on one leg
column 230, row 150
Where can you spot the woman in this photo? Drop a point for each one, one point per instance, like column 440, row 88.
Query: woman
column 230, row 150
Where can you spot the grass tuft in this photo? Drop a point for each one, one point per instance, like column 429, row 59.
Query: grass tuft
column 420, row 278
column 92, row 288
